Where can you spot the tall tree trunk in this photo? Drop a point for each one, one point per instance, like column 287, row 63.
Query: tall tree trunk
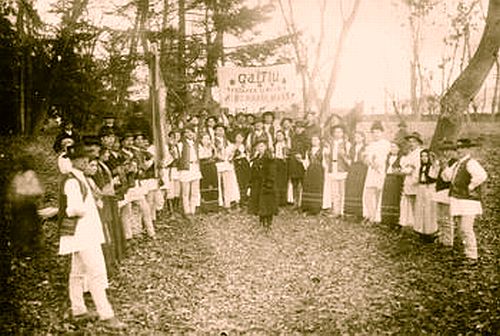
column 467, row 85
column 332, row 83
column 181, row 53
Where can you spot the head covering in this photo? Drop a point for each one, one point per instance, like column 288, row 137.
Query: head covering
column 340, row 126
column 467, row 143
column 300, row 123
column 128, row 134
column 377, row 125
column 77, row 151
column 106, row 131
column 91, row 140
column 187, row 128
column 447, row 145
column 416, row 136
column 109, row 116
column 268, row 113
column 220, row 125
column 212, row 117
column 285, row 119
column 257, row 120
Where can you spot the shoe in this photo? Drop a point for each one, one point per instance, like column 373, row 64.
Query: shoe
column 86, row 317
column 114, row 323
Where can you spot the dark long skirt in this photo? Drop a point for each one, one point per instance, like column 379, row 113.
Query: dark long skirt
column 312, row 194
column 282, row 181
column 391, row 198
column 242, row 169
column 108, row 247
column 354, row 186
column 117, row 234
column 209, row 186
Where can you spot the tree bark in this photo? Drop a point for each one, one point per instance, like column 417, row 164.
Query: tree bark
column 466, row 86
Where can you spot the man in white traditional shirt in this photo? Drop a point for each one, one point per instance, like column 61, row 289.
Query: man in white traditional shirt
column 82, row 239
column 189, row 172
column 466, row 176
column 338, row 167
column 410, row 167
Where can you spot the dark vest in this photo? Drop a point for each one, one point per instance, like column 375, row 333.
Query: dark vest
column 185, row 155
column 460, row 185
column 62, row 218
column 440, row 183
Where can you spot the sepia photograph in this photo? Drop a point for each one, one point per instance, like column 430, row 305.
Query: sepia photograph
column 250, row 167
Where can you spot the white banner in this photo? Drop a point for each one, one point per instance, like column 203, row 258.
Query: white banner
column 258, row 89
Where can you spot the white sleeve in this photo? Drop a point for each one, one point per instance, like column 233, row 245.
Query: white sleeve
column 477, row 172
column 75, row 205
column 447, row 173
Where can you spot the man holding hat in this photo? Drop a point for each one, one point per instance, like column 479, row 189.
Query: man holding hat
column 81, row 236
column 410, row 168
column 466, row 176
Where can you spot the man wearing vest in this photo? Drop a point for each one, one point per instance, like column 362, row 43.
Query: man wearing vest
column 81, row 235
column 337, row 168
column 466, row 177
column 189, row 172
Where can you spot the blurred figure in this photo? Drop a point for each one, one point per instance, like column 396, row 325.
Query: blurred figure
column 25, row 192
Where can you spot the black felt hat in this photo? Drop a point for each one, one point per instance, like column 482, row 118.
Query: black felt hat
column 268, row 113
column 416, row 136
column 377, row 125
column 77, row 151
column 467, row 143
column 91, row 140
column 447, row 145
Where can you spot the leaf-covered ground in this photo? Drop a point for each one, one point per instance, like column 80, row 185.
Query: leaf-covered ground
column 223, row 274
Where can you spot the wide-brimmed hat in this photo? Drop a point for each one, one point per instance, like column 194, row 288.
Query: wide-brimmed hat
column 467, row 143
column 109, row 116
column 416, row 136
column 447, row 145
column 77, row 151
column 285, row 119
column 377, row 125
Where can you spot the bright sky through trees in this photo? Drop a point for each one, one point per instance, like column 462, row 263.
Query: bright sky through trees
column 375, row 63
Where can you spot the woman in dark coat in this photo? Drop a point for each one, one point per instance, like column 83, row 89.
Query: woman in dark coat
column 263, row 185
